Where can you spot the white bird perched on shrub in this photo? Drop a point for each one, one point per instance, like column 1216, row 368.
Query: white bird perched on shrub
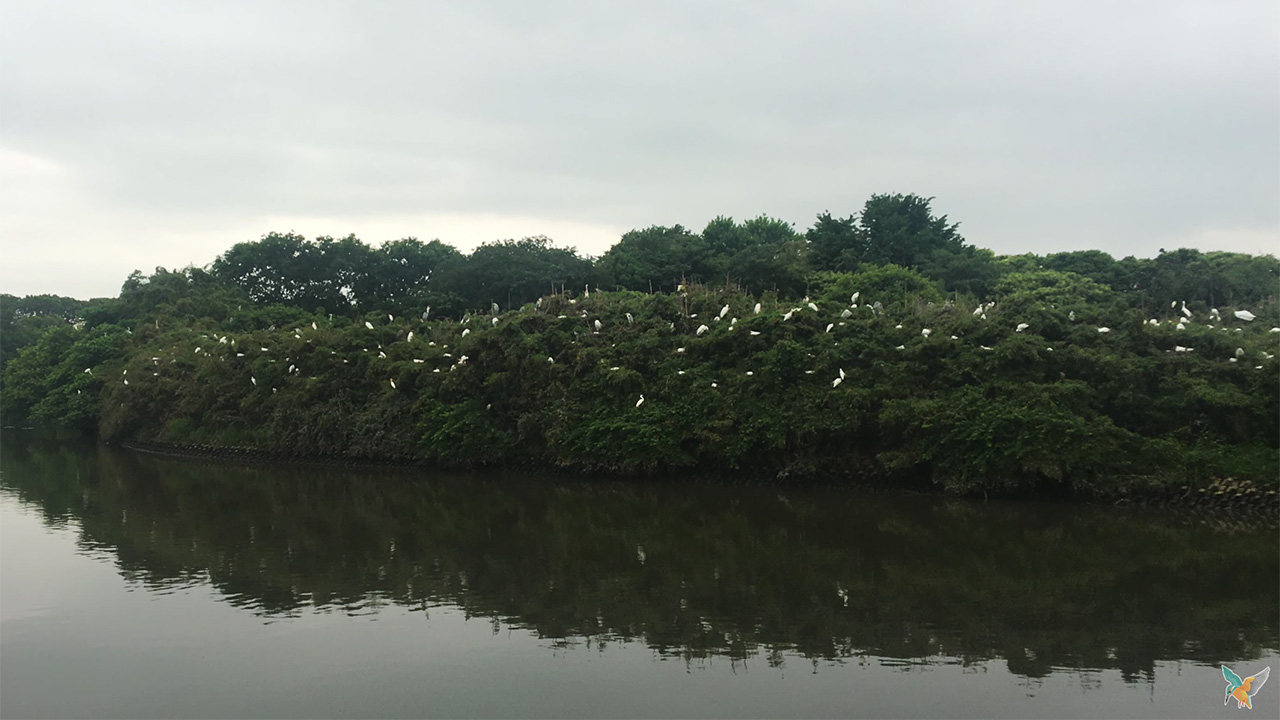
column 630, row 320
column 1104, row 330
column 598, row 325
column 1245, row 315
column 757, row 310
column 465, row 331
column 702, row 329
column 724, row 311
column 835, row 383
column 853, row 299
column 926, row 333
column 493, row 307
column 1021, row 327
column 846, row 314
column 393, row 384
column 829, row 326
column 368, row 324
column 410, row 337
column 813, row 307
column 640, row 401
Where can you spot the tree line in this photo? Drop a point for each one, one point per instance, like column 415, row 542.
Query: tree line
column 879, row 345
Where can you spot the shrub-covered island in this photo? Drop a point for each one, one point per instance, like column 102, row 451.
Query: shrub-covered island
column 879, row 347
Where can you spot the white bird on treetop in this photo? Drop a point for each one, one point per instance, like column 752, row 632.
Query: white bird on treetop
column 926, row 332
column 757, row 311
column 1245, row 315
column 598, row 325
column 702, row 329
column 787, row 316
column 630, row 320
column 836, row 382
column 410, row 338
column 368, row 324
column 853, row 300
column 1104, row 330
column 754, row 332
column 1021, row 327
column 640, row 401
column 829, row 326
column 393, row 384
column 724, row 311
column 813, row 307
column 465, row 331
column 841, row 373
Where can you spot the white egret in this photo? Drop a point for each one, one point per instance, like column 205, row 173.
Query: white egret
column 1245, row 315
column 841, row 373
column 418, row 361
column 813, row 307
column 1153, row 321
column 977, row 311
column 1239, row 352
column 926, row 333
column 702, row 329
column 598, row 325
column 368, row 324
column 749, row 373
column 390, row 317
column 465, row 331
column 614, row 368
column 714, row 385
column 88, row 371
column 198, row 350
column 846, row 313
column 313, row 325
column 724, row 311
column 901, row 347
column 1021, row 327
column 757, row 310
column 494, row 308
column 829, row 326
column 679, row 372
column 835, row 383
column 898, row 326
column 426, row 313
column 1104, row 330
column 754, row 332
column 393, row 383
column 787, row 316
column 984, row 347
column 551, row 360
column 679, row 350
column 253, row 380
column 630, row 320
column 640, row 401
column 1181, row 326
column 1071, row 316
column 853, row 300
column 410, row 337
column 126, row 382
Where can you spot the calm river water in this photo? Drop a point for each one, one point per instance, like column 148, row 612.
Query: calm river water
column 136, row 586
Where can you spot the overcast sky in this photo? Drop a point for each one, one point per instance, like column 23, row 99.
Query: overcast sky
column 141, row 134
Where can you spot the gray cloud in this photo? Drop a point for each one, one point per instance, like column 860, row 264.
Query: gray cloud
column 1040, row 127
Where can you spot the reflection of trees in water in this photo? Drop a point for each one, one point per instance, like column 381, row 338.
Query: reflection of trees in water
column 694, row 572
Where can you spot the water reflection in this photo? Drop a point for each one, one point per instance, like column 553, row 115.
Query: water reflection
column 694, row 573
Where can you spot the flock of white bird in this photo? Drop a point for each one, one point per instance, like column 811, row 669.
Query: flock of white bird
column 1182, row 319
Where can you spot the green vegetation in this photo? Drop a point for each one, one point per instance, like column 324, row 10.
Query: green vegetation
column 1068, row 372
